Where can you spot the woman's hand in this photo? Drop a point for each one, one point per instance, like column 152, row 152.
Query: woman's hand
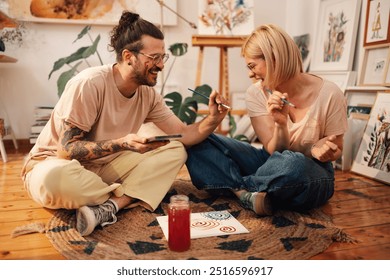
column 326, row 149
column 277, row 108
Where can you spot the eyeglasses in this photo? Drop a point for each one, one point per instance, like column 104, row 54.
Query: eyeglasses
column 157, row 58
column 251, row 66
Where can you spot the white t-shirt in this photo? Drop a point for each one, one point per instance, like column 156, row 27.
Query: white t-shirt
column 327, row 116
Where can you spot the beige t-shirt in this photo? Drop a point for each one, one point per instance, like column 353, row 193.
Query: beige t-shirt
column 92, row 102
column 327, row 116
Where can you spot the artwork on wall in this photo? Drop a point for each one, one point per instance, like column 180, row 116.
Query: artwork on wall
column 226, row 17
column 360, row 102
column 303, row 43
column 334, row 46
column 101, row 12
column 342, row 79
column 375, row 64
column 387, row 71
column 377, row 23
column 373, row 157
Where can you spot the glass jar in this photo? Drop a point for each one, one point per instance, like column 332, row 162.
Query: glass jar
column 179, row 237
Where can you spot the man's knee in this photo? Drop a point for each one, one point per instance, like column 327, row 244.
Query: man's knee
column 47, row 179
column 178, row 151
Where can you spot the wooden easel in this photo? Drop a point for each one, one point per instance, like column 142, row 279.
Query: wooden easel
column 223, row 43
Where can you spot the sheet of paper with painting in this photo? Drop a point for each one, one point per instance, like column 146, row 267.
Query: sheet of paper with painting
column 208, row 224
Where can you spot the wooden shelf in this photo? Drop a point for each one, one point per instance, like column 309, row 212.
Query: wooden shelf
column 367, row 88
column 7, row 59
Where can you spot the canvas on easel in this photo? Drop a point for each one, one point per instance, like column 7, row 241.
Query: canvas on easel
column 226, row 17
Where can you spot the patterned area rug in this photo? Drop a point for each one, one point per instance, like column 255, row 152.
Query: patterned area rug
column 137, row 234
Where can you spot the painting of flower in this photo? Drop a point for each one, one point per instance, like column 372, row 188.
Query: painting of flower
column 335, row 40
column 373, row 158
column 336, row 35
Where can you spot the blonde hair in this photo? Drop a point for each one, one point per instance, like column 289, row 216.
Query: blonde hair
column 281, row 54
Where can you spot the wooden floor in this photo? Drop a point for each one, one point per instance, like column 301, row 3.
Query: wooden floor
column 360, row 206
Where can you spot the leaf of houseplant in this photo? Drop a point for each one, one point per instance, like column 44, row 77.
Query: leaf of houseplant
column 65, row 77
column 77, row 55
column 184, row 110
column 81, row 53
column 83, row 32
column 233, row 128
column 92, row 48
column 204, row 89
column 178, row 49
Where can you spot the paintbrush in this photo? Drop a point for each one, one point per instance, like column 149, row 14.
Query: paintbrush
column 205, row 96
column 283, row 100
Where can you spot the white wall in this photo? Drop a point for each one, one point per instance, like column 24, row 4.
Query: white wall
column 25, row 84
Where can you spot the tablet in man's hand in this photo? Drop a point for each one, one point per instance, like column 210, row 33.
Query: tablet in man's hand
column 164, row 138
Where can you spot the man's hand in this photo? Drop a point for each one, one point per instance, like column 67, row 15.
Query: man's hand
column 217, row 111
column 141, row 145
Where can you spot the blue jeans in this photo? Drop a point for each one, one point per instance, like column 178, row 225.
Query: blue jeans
column 294, row 182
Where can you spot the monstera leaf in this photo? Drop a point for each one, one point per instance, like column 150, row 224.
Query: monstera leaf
column 233, row 128
column 178, row 49
column 184, row 110
column 203, row 89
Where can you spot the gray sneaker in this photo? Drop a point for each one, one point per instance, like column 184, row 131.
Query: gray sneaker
column 258, row 202
column 88, row 217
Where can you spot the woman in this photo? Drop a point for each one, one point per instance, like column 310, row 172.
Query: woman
column 294, row 168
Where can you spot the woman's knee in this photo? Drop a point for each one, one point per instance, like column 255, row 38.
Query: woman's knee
column 291, row 163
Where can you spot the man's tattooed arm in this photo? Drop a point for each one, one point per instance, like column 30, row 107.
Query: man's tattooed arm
column 73, row 145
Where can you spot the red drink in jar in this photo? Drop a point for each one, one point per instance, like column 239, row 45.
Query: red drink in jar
column 179, row 238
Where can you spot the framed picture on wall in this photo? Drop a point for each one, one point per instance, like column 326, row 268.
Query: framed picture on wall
column 343, row 79
column 106, row 12
column 373, row 157
column 377, row 23
column 334, row 46
column 375, row 62
column 387, row 71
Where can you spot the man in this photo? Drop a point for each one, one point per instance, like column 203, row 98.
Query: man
column 89, row 156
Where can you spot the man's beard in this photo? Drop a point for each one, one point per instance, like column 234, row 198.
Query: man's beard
column 147, row 78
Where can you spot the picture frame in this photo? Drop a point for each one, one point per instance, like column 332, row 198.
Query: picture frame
column 356, row 97
column 374, row 66
column 334, row 46
column 342, row 79
column 107, row 13
column 377, row 30
column 373, row 157
column 303, row 43
column 387, row 73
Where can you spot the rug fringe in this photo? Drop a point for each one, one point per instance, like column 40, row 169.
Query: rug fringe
column 29, row 228
column 342, row 236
